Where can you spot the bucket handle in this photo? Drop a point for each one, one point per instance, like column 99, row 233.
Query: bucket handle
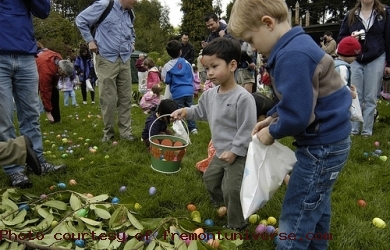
column 185, row 125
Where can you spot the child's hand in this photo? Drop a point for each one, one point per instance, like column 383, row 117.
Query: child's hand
column 265, row 137
column 178, row 114
column 353, row 91
column 260, row 125
column 228, row 156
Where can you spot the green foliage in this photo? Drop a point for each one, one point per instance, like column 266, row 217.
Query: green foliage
column 56, row 33
column 152, row 26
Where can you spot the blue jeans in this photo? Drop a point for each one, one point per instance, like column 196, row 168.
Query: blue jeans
column 306, row 209
column 367, row 78
column 70, row 94
column 19, row 81
column 186, row 101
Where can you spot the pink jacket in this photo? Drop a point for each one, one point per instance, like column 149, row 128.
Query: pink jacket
column 149, row 100
column 153, row 78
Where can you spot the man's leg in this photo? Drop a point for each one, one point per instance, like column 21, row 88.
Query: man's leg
column 124, row 101
column 107, row 73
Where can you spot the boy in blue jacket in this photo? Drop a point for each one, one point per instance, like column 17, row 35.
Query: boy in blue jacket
column 313, row 108
column 178, row 74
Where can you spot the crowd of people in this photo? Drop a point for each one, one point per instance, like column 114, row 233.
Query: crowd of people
column 257, row 41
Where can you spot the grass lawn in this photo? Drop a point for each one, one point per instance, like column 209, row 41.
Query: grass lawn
column 128, row 164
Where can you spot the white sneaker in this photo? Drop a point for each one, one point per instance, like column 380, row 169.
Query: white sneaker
column 93, row 102
column 194, row 131
column 84, row 102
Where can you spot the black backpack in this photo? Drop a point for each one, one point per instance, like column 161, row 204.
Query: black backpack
column 104, row 15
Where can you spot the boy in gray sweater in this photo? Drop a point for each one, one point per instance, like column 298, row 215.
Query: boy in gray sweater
column 231, row 113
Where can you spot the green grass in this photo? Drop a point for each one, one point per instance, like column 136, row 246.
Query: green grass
column 128, row 164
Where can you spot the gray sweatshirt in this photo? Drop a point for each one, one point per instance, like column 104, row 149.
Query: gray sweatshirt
column 231, row 118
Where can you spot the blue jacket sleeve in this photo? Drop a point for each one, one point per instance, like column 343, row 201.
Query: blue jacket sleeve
column 40, row 8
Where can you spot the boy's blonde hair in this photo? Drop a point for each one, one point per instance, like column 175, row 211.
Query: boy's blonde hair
column 247, row 14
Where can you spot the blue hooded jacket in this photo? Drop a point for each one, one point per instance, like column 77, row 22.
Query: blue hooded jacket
column 179, row 78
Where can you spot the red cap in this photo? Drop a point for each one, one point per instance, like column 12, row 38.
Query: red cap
column 349, row 46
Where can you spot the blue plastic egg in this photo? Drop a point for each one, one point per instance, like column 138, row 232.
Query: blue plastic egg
column 115, row 200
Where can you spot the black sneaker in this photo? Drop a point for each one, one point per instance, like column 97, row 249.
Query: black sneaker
column 20, row 180
column 31, row 157
column 48, row 167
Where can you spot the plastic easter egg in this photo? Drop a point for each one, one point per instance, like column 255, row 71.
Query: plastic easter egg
column 362, row 203
column 82, row 212
column 378, row 151
column 72, row 182
column 114, row 143
column 270, row 229
column 376, row 144
column 79, row 243
column 64, row 156
column 271, row 220
column 383, row 157
column 195, row 214
column 152, row 191
column 260, row 229
column 214, row 243
column 106, row 156
column 61, row 185
column 379, row 223
column 115, row 200
column 137, row 206
column 365, row 154
column 191, row 207
column 24, row 207
column 254, row 218
column 122, row 189
column 197, row 219
column 222, row 211
column 122, row 237
column 209, row 222
column 264, row 222
column 43, row 196
column 61, row 148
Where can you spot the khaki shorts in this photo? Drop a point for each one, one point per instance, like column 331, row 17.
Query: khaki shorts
column 244, row 76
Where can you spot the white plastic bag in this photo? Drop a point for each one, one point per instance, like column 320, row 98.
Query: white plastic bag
column 356, row 111
column 180, row 131
column 265, row 169
column 167, row 93
column 89, row 85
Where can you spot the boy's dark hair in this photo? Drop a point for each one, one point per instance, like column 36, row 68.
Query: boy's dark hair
column 328, row 33
column 226, row 49
column 211, row 16
column 263, row 104
column 166, row 107
column 173, row 48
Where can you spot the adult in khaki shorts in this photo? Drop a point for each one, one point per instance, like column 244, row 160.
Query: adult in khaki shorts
column 245, row 73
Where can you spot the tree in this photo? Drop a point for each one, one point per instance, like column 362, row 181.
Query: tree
column 152, row 26
column 193, row 23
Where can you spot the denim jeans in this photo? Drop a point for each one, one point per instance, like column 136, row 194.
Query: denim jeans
column 367, row 78
column 306, row 208
column 186, row 101
column 19, row 81
column 70, row 94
